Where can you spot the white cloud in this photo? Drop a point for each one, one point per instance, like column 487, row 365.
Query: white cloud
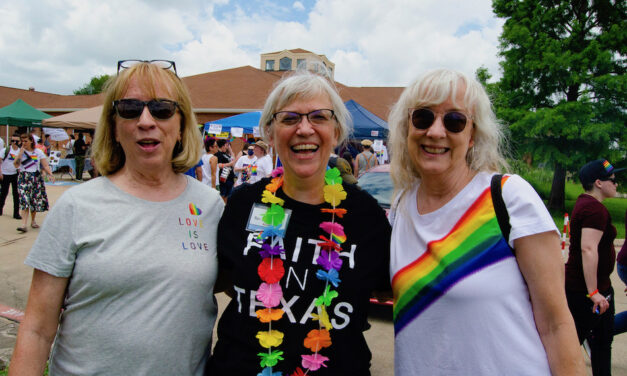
column 58, row 46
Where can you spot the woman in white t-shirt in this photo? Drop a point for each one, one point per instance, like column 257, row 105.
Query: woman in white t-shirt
column 243, row 166
column 30, row 184
column 465, row 303
column 263, row 165
column 210, row 163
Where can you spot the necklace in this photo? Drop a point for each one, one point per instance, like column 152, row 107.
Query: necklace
column 271, row 271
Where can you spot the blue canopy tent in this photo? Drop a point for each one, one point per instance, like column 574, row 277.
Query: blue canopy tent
column 247, row 121
column 365, row 123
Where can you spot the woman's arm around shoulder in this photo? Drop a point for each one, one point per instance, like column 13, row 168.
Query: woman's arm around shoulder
column 540, row 262
column 39, row 327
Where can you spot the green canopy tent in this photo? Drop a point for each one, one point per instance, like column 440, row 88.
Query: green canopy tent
column 21, row 114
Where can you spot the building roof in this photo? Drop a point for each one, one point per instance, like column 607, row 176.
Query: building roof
column 232, row 90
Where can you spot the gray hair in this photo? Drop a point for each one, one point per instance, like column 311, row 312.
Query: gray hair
column 431, row 89
column 304, row 84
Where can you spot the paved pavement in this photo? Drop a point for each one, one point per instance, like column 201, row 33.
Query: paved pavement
column 15, row 281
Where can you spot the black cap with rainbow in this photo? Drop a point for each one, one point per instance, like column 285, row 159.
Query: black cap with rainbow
column 600, row 169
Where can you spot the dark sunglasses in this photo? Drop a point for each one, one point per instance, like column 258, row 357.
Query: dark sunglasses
column 165, row 64
column 613, row 180
column 423, row 118
column 132, row 108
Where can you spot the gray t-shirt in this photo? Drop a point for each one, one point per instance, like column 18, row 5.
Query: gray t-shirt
column 140, row 295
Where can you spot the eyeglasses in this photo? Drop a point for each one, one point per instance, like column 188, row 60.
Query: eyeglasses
column 613, row 180
column 132, row 108
column 423, row 118
column 315, row 117
column 165, row 64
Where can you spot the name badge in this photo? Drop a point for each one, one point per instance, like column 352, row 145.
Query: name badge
column 256, row 223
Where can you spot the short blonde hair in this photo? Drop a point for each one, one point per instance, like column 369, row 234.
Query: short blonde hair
column 304, row 84
column 107, row 153
column 431, row 89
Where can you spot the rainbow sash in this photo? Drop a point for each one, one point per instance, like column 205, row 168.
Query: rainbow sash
column 474, row 243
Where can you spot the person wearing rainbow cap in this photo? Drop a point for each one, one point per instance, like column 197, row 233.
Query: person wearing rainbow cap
column 591, row 261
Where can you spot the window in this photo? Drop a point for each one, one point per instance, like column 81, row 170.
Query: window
column 285, row 64
column 301, row 63
column 269, row 64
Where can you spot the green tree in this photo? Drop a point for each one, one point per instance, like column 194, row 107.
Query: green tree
column 95, row 85
column 563, row 87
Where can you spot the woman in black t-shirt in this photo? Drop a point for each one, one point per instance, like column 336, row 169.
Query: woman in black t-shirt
column 303, row 251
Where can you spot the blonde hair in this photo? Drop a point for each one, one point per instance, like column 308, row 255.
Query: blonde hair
column 107, row 153
column 431, row 89
column 304, row 84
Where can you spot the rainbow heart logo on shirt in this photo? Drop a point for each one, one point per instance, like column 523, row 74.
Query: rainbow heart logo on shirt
column 194, row 210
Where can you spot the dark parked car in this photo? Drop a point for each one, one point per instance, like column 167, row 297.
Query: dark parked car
column 378, row 183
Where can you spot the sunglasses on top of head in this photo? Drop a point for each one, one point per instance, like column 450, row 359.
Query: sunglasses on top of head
column 423, row 118
column 164, row 64
column 161, row 109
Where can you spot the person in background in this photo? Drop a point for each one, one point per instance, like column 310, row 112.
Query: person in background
column 69, row 146
column 262, row 167
column 47, row 144
column 115, row 291
column 210, row 163
column 303, row 120
column 40, row 145
column 225, row 164
column 196, row 171
column 381, row 151
column 30, row 183
column 590, row 263
column 470, row 298
column 620, row 320
column 243, row 166
column 80, row 150
column 8, row 174
column 365, row 160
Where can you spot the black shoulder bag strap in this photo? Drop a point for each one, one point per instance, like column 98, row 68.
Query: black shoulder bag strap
column 499, row 207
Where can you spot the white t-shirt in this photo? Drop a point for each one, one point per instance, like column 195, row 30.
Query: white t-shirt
column 261, row 168
column 32, row 163
column 206, row 170
column 245, row 161
column 8, row 168
column 461, row 304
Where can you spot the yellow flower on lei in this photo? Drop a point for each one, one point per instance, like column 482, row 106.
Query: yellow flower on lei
column 269, row 198
column 272, row 338
column 323, row 316
column 334, row 194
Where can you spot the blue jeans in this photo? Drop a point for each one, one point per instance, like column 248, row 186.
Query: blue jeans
column 620, row 320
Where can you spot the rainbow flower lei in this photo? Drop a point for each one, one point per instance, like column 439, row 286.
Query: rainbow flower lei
column 271, row 271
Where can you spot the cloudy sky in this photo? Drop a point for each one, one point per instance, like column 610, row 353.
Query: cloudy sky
column 58, row 45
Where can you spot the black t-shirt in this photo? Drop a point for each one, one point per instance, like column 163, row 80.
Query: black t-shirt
column 365, row 267
column 589, row 212
column 225, row 158
column 80, row 148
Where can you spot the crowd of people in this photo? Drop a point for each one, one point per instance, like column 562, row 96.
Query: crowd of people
column 469, row 252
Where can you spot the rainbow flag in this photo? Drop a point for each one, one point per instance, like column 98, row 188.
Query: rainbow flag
column 474, row 243
column 608, row 166
column 253, row 170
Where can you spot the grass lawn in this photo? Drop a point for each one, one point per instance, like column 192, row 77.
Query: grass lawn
column 541, row 181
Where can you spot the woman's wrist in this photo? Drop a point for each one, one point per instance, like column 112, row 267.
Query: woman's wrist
column 593, row 293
